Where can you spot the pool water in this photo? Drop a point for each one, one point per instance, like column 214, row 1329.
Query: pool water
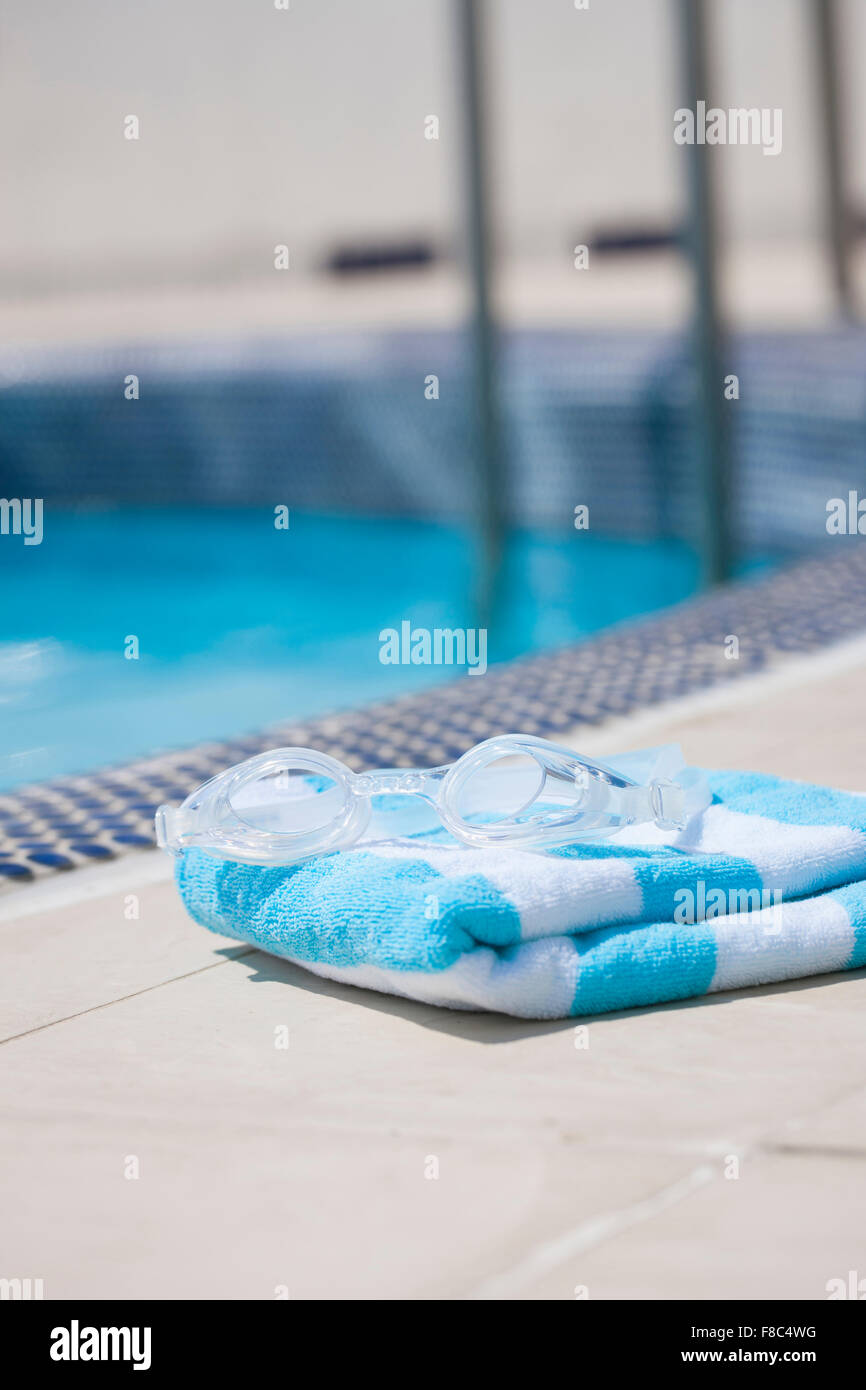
column 240, row 625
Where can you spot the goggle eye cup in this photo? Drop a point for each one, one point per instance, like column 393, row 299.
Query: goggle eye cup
column 539, row 794
column 283, row 807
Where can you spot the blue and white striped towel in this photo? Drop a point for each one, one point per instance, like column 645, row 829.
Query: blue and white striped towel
column 769, row 883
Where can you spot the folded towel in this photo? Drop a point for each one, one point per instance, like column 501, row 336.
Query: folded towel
column 769, row 883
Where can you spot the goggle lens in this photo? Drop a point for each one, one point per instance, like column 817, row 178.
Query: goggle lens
column 505, row 789
column 539, row 791
column 288, row 801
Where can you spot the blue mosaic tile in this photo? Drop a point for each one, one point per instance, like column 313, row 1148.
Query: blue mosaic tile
column 16, row 871
column 51, row 859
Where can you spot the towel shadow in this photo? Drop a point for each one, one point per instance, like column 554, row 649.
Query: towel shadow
column 489, row 1028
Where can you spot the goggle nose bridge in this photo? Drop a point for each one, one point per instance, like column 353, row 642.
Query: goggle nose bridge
column 399, row 781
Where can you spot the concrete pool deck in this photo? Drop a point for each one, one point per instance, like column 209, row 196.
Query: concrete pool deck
column 138, row 1043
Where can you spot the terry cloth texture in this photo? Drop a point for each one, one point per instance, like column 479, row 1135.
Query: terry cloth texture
column 769, row 883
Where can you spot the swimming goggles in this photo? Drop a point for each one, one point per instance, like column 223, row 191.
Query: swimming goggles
column 291, row 804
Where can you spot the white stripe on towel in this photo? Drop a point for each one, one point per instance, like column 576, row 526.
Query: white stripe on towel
column 816, row 936
column 549, row 893
column 537, row 980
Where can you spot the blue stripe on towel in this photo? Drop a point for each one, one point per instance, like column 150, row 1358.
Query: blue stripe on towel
column 853, row 899
column 662, row 873
column 661, row 878
column 792, row 803
column 621, row 967
column 349, row 909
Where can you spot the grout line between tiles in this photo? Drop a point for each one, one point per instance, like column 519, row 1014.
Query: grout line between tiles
column 109, row 1003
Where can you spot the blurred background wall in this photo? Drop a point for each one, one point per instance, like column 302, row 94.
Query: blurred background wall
column 260, row 126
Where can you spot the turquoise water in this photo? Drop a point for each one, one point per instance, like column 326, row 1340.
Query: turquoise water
column 240, row 625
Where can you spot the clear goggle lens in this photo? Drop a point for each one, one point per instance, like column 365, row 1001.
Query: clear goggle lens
column 518, row 789
column 506, row 789
column 288, row 801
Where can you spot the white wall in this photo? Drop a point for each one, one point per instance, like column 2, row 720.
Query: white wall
column 260, row 126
